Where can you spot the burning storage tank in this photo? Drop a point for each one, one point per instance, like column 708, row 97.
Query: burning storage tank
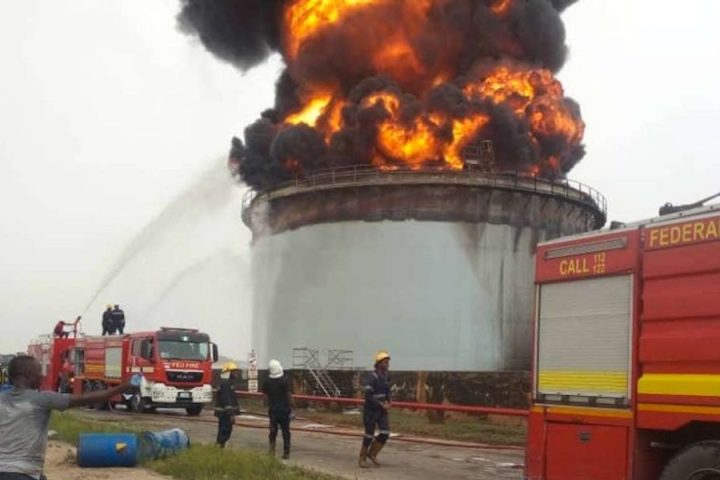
column 373, row 227
column 436, row 267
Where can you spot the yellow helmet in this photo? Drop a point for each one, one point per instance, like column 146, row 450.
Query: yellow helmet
column 229, row 367
column 109, row 305
column 381, row 355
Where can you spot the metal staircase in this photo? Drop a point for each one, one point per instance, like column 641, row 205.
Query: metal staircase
column 308, row 360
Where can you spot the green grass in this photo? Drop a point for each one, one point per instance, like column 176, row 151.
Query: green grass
column 69, row 427
column 199, row 462
column 455, row 426
column 208, row 462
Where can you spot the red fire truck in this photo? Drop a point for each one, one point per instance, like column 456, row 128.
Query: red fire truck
column 176, row 365
column 627, row 353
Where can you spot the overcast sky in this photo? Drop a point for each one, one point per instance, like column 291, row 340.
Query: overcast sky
column 114, row 128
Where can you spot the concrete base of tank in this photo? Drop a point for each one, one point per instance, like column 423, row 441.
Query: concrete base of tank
column 437, row 269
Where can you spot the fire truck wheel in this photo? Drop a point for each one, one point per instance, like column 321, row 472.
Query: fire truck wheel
column 137, row 404
column 699, row 461
column 194, row 411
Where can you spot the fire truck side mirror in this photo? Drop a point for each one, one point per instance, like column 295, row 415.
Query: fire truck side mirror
column 215, row 355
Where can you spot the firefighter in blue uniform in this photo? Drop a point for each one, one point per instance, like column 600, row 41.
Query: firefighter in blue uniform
column 375, row 410
column 226, row 403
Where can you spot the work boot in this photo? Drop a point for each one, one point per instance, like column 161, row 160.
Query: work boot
column 286, row 454
column 271, row 451
column 374, row 450
column 362, row 459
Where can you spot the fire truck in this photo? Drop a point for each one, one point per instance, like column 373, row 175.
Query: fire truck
column 176, row 365
column 626, row 368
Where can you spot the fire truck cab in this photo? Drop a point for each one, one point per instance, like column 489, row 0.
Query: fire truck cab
column 626, row 374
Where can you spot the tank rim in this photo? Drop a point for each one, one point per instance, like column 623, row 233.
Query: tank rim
column 368, row 176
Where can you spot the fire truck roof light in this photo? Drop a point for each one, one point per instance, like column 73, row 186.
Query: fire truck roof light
column 170, row 329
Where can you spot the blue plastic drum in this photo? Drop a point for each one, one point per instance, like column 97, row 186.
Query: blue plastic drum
column 156, row 445
column 107, row 450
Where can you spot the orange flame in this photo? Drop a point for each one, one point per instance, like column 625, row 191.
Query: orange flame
column 426, row 137
column 322, row 111
column 418, row 143
column 534, row 94
column 551, row 118
column 398, row 59
column 518, row 88
column 333, row 119
column 413, row 144
column 311, row 112
column 463, row 130
column 501, row 7
column 305, row 18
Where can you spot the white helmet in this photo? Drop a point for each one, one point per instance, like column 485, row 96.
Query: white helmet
column 276, row 369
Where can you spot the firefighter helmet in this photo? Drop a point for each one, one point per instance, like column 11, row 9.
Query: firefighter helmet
column 229, row 367
column 380, row 356
column 276, row 369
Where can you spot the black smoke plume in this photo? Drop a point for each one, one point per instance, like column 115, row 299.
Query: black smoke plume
column 460, row 38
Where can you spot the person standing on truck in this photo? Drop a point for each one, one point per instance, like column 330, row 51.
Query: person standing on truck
column 375, row 410
column 118, row 320
column 226, row 405
column 59, row 330
column 24, row 416
column 107, row 323
column 280, row 402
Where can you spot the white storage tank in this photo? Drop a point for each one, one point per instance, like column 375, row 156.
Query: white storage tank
column 437, row 268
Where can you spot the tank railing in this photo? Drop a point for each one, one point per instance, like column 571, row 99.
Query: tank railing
column 438, row 407
column 339, row 359
column 354, row 174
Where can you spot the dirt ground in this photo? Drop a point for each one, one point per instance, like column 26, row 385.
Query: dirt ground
column 60, row 465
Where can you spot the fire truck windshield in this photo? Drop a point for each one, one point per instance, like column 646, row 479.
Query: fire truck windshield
column 179, row 350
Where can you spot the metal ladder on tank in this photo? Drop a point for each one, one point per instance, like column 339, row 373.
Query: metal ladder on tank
column 479, row 156
column 309, row 360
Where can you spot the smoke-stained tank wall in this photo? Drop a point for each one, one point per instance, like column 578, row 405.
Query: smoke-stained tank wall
column 438, row 273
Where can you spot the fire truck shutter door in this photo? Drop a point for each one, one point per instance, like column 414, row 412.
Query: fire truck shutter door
column 584, row 336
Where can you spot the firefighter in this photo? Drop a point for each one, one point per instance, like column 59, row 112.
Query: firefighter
column 67, row 372
column 280, row 402
column 107, row 324
column 226, row 404
column 59, row 330
column 375, row 410
column 118, row 320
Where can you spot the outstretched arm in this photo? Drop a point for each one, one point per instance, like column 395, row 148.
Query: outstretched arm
column 100, row 395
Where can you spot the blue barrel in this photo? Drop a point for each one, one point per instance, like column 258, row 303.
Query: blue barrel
column 156, row 445
column 5, row 387
column 107, row 450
